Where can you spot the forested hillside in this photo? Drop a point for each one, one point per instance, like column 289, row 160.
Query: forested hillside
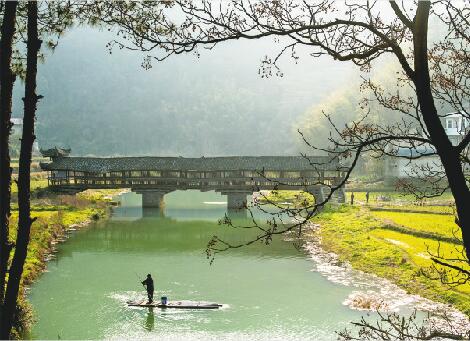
column 99, row 103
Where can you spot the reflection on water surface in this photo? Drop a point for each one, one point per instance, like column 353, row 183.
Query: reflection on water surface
column 270, row 292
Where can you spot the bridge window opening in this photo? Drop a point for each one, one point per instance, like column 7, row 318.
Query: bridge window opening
column 173, row 174
column 331, row 174
column 232, row 174
column 116, row 174
column 59, row 174
column 136, row 174
column 248, row 174
column 209, row 175
column 193, row 175
column 292, row 175
column 155, row 174
column 272, row 174
column 311, row 174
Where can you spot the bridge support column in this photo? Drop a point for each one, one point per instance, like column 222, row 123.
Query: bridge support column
column 318, row 193
column 339, row 195
column 152, row 198
column 341, row 198
column 236, row 200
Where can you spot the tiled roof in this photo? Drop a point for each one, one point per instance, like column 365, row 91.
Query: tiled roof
column 255, row 163
column 55, row 152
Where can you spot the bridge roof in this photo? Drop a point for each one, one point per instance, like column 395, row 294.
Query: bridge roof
column 254, row 163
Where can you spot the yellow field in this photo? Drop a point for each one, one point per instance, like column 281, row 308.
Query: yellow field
column 434, row 223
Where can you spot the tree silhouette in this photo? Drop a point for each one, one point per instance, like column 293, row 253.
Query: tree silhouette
column 437, row 72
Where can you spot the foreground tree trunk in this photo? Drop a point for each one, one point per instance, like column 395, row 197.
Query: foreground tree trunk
column 6, row 88
column 448, row 153
column 24, row 205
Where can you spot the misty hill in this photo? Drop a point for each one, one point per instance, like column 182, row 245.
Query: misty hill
column 106, row 104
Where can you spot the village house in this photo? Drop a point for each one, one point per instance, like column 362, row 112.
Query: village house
column 416, row 161
column 17, row 130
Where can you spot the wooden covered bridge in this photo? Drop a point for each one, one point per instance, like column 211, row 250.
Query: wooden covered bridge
column 235, row 176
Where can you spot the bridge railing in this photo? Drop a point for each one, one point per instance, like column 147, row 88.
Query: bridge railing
column 190, row 182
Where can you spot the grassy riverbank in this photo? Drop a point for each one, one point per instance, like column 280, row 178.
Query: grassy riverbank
column 393, row 237
column 56, row 216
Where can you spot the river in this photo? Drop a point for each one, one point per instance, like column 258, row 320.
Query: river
column 269, row 292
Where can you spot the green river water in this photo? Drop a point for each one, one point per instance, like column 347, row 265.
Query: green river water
column 269, row 292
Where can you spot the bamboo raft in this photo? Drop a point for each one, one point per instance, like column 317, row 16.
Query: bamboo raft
column 174, row 305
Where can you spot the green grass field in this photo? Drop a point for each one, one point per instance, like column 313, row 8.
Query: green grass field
column 285, row 198
column 364, row 238
column 35, row 184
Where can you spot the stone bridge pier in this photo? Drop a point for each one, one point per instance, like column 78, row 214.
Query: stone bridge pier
column 321, row 193
column 152, row 198
column 236, row 200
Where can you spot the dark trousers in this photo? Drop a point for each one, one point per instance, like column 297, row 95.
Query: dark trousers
column 150, row 295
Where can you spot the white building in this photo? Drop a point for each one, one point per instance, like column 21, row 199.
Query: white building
column 456, row 126
column 17, row 130
column 17, row 127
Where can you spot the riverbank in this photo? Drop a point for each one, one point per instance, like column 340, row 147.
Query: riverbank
column 374, row 243
column 57, row 216
column 393, row 236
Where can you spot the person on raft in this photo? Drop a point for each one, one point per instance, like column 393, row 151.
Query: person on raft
column 149, row 286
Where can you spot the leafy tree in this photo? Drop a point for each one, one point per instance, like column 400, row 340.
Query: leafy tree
column 18, row 19
column 27, row 140
column 6, row 80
